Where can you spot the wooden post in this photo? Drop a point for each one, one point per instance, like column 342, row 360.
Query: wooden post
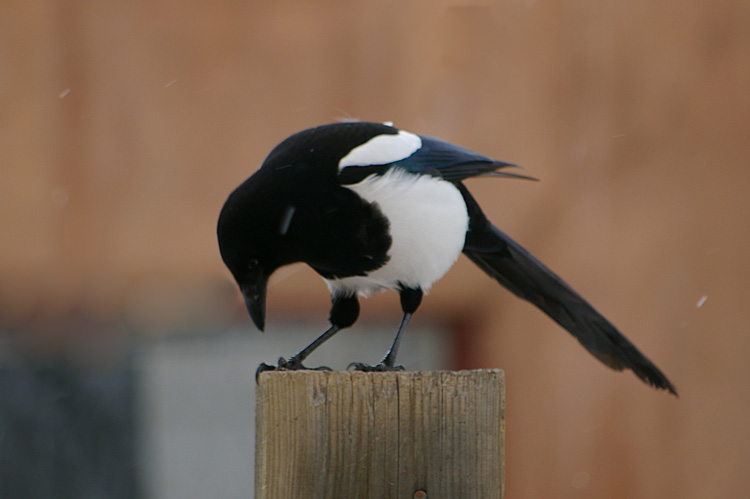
column 408, row 435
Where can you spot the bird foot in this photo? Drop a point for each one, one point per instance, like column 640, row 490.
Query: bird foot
column 293, row 364
column 382, row 367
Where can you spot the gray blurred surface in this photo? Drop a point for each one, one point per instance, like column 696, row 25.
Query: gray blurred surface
column 66, row 433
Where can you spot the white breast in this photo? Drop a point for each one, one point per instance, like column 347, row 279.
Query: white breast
column 428, row 224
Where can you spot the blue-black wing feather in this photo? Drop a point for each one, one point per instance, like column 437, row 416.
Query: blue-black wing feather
column 439, row 159
column 449, row 161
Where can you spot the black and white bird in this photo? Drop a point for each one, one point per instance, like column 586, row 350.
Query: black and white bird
column 371, row 207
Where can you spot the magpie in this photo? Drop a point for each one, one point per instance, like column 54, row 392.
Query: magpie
column 371, row 207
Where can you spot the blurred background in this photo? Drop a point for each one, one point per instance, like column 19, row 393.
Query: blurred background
column 126, row 356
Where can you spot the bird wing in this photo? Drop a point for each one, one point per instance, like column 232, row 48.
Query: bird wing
column 519, row 271
column 453, row 163
column 438, row 159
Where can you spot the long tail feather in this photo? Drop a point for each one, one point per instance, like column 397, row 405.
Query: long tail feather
column 519, row 271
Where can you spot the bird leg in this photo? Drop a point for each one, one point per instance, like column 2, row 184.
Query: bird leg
column 410, row 300
column 387, row 364
column 295, row 361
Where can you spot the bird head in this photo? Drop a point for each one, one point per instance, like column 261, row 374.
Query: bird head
column 245, row 254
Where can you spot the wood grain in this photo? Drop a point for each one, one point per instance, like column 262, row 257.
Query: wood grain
column 378, row 435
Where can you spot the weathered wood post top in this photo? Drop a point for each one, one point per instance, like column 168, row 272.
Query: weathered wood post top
column 349, row 434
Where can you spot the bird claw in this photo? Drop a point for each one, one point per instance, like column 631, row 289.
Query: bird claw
column 293, row 364
column 382, row 367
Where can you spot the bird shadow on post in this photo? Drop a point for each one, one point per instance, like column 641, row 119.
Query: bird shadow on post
column 437, row 434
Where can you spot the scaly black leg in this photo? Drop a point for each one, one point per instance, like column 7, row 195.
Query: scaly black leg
column 295, row 361
column 410, row 300
column 344, row 312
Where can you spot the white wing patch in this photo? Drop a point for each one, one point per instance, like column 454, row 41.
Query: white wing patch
column 382, row 150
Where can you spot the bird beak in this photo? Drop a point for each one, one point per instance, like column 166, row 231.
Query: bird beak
column 254, row 292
